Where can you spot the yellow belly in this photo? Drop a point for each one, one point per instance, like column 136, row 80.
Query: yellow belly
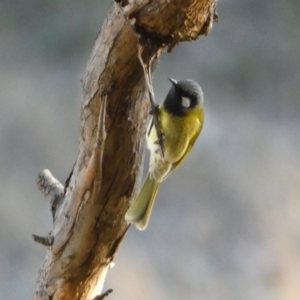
column 180, row 134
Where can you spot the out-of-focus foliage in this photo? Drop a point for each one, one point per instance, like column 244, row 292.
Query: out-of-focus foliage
column 227, row 224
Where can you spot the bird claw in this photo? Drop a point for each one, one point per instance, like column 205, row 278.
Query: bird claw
column 160, row 140
column 154, row 110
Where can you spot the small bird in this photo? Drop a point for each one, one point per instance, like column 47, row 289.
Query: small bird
column 181, row 118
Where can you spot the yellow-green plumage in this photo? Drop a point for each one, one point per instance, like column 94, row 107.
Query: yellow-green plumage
column 180, row 130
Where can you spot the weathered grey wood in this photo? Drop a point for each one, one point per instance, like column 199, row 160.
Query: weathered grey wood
column 89, row 225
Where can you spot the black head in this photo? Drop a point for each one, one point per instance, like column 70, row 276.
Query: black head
column 183, row 96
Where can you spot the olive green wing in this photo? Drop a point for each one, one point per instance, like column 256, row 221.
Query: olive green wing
column 186, row 153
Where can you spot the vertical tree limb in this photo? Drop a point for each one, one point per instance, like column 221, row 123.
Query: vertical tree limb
column 89, row 225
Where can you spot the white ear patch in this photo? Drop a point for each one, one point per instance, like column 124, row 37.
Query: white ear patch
column 185, row 102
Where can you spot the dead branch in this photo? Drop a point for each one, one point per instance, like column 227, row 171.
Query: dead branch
column 89, row 226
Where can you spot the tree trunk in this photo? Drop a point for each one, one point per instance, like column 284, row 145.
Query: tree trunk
column 89, row 211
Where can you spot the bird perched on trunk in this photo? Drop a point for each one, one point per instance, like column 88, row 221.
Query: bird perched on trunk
column 181, row 118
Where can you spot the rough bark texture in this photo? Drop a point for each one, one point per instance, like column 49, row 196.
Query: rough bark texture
column 89, row 225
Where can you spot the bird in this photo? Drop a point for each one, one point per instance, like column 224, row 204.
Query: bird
column 181, row 118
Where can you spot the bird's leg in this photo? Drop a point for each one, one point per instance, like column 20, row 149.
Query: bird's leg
column 154, row 110
column 148, row 51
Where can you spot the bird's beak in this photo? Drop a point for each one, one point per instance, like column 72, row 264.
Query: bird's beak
column 173, row 81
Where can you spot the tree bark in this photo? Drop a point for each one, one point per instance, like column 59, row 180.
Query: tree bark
column 89, row 223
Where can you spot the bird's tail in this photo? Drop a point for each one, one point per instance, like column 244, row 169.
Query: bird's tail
column 140, row 210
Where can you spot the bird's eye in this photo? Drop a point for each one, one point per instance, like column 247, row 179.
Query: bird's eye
column 185, row 102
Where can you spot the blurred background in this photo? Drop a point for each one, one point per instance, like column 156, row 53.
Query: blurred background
column 227, row 224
